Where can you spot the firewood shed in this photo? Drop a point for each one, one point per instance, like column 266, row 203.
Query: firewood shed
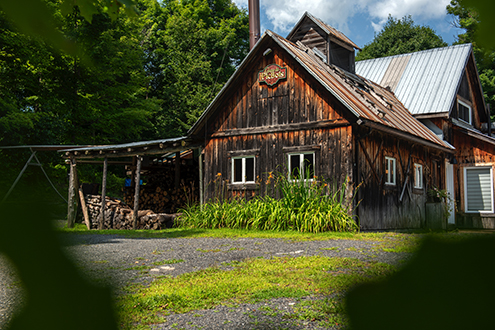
column 172, row 160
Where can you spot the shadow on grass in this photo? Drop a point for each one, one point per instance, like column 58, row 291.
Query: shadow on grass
column 448, row 284
column 57, row 296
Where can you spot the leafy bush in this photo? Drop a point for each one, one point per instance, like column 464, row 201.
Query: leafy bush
column 305, row 206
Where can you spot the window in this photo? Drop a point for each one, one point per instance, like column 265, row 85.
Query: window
column 418, row 176
column 464, row 111
column 243, row 169
column 478, row 189
column 390, row 171
column 301, row 165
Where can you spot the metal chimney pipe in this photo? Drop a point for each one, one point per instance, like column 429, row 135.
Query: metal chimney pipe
column 254, row 22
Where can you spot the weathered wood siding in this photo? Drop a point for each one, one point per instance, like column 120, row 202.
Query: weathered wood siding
column 311, row 36
column 332, row 148
column 270, row 122
column 380, row 205
column 471, row 152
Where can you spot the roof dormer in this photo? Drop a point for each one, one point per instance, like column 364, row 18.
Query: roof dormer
column 322, row 38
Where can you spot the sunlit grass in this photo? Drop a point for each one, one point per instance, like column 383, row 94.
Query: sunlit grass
column 249, row 281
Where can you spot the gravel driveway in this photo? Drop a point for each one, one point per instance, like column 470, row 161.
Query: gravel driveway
column 109, row 259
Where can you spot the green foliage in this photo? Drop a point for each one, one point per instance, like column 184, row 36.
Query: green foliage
column 304, row 206
column 400, row 36
column 193, row 47
column 128, row 78
column 37, row 18
column 467, row 17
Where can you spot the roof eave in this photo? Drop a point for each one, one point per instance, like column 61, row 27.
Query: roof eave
column 402, row 134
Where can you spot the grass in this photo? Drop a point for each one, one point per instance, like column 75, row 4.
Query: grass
column 305, row 205
column 250, row 281
column 324, row 280
column 228, row 233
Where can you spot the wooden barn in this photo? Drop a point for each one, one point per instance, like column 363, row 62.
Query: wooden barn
column 296, row 105
column 441, row 88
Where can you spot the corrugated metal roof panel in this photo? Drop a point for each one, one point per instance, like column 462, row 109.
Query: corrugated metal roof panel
column 430, row 80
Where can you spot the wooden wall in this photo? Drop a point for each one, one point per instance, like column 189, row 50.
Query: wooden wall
column 380, row 205
column 470, row 152
column 270, row 122
column 332, row 147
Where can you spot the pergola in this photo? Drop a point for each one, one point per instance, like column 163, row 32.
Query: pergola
column 136, row 150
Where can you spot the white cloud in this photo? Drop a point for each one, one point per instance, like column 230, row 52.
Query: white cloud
column 418, row 9
column 283, row 14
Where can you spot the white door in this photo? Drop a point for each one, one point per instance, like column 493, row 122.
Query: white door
column 449, row 177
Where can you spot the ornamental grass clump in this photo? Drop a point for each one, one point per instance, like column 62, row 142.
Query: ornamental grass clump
column 304, row 205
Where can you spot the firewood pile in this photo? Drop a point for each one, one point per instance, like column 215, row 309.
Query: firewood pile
column 159, row 193
column 118, row 215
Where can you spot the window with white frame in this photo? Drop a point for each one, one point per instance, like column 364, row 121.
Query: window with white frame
column 464, row 112
column 418, row 176
column 478, row 189
column 301, row 166
column 390, row 171
column 243, row 169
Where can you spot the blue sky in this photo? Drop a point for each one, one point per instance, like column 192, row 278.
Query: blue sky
column 357, row 19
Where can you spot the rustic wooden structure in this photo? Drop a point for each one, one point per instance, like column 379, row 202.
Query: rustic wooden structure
column 138, row 196
column 322, row 119
column 457, row 113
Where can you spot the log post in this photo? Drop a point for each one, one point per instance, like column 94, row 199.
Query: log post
column 201, row 192
column 177, row 170
column 71, row 197
column 103, row 194
column 84, row 208
column 136, row 193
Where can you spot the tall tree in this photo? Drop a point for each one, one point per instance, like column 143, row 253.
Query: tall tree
column 400, row 36
column 468, row 19
column 194, row 47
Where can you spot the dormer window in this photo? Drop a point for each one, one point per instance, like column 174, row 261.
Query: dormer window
column 464, row 111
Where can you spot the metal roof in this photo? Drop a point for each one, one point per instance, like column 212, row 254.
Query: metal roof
column 426, row 82
column 131, row 149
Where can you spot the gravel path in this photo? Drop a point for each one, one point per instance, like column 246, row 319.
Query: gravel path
column 110, row 259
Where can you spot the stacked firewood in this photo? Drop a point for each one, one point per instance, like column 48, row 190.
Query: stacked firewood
column 119, row 215
column 160, row 194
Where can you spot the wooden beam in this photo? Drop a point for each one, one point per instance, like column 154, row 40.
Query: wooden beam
column 201, row 192
column 84, row 208
column 407, row 176
column 177, row 169
column 103, row 194
column 283, row 128
column 70, row 202
column 123, row 152
column 136, row 193
column 371, row 163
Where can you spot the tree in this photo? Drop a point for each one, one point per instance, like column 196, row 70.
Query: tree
column 400, row 36
column 193, row 48
column 469, row 19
